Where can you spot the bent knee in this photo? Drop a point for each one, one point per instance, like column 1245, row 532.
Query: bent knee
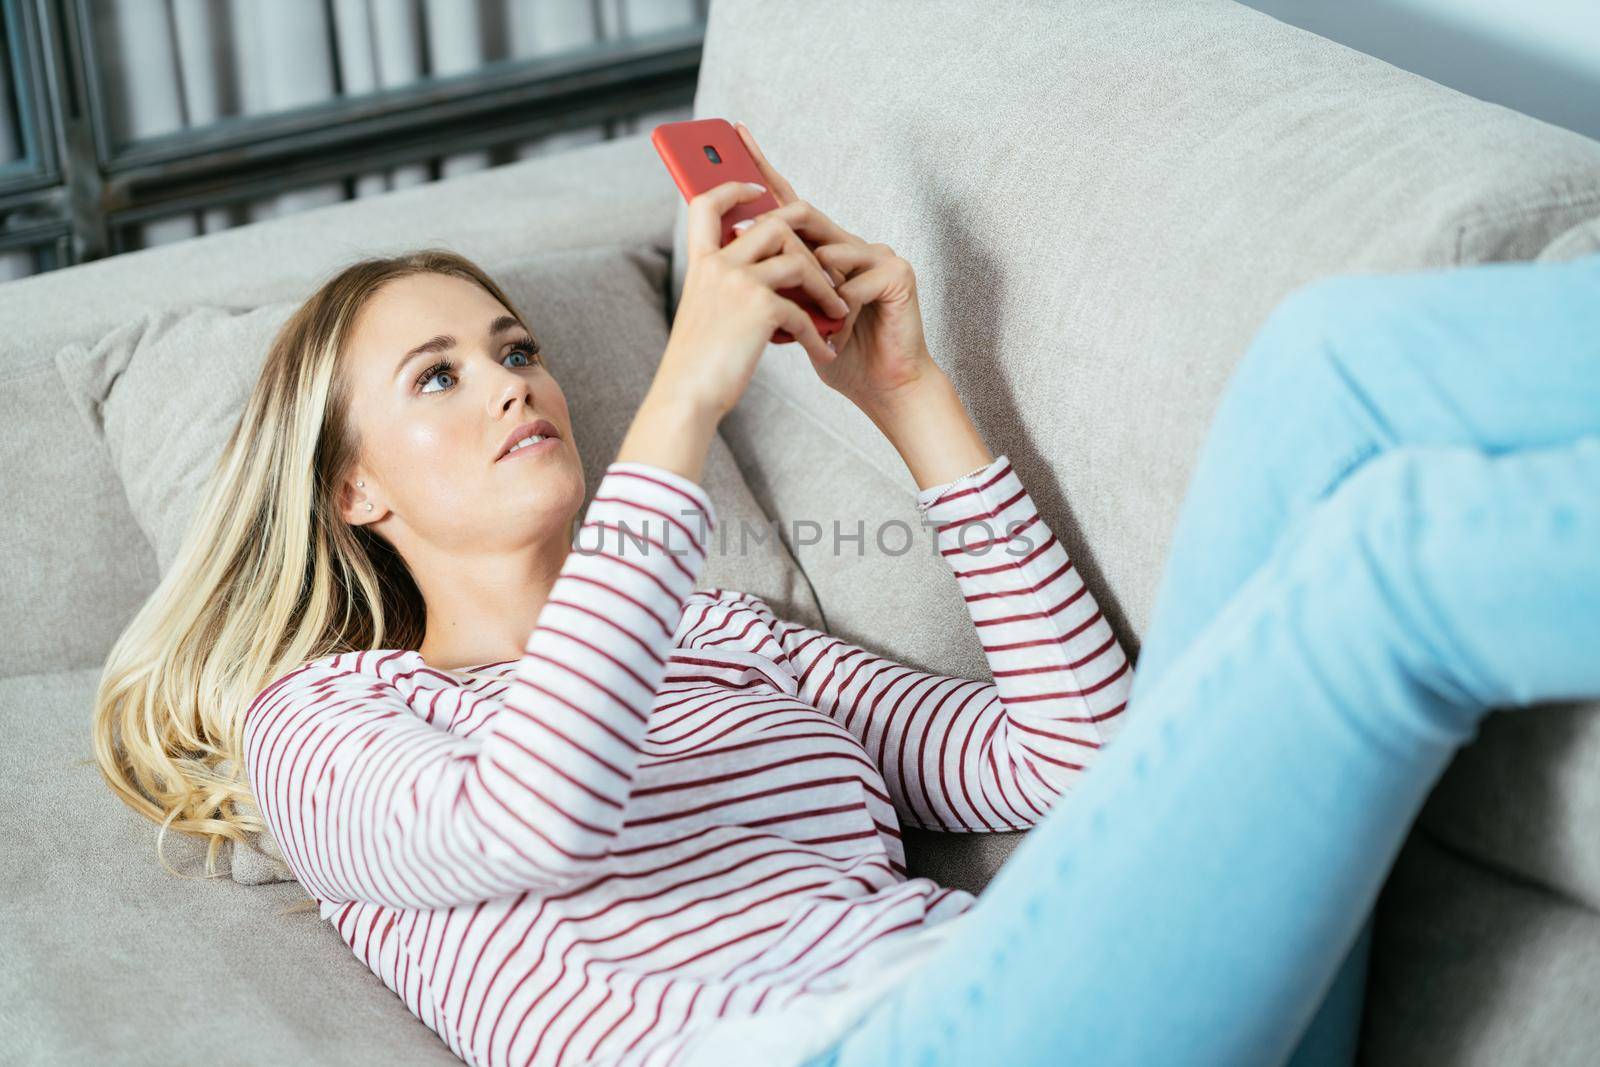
column 1382, row 524
column 1356, row 553
column 1372, row 507
column 1475, row 570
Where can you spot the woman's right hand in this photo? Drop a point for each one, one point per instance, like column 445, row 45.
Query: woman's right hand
column 726, row 316
column 730, row 306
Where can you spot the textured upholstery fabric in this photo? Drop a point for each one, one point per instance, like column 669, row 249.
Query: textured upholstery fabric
column 1099, row 223
column 111, row 959
column 1582, row 240
column 162, row 393
column 1473, row 964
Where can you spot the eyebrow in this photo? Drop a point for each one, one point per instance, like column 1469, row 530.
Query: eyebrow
column 444, row 342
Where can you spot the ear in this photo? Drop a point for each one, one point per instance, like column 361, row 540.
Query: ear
column 357, row 502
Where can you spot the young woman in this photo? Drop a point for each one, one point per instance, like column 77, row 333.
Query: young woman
column 572, row 810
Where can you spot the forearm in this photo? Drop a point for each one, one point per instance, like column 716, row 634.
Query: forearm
column 1057, row 668
column 959, row 753
column 669, row 431
column 930, row 428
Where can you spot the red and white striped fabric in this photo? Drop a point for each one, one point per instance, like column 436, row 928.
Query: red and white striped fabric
column 676, row 807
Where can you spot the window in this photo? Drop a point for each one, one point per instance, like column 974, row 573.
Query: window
column 128, row 123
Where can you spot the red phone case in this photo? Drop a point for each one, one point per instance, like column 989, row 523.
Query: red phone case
column 704, row 153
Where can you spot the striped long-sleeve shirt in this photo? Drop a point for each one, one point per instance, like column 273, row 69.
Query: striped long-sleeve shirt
column 675, row 807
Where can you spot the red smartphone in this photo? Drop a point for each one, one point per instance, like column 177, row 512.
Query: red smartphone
column 704, row 153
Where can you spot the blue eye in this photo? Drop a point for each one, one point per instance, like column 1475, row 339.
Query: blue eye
column 528, row 349
column 443, row 366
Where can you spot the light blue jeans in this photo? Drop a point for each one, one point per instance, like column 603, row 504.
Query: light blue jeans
column 1393, row 529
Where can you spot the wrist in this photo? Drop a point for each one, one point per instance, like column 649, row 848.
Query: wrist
column 680, row 385
column 933, row 433
column 931, row 389
column 671, row 431
column 679, row 399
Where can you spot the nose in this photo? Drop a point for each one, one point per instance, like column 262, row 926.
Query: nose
column 514, row 391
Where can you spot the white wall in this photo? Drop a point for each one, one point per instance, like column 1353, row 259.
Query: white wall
column 1541, row 57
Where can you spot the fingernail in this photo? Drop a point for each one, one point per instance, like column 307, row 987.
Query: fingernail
column 832, row 347
column 743, row 225
column 757, row 187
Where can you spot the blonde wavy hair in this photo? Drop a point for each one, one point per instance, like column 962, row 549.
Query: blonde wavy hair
column 269, row 577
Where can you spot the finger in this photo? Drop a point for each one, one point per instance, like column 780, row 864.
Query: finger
column 791, row 271
column 883, row 270
column 825, row 258
column 850, row 259
column 753, row 242
column 804, row 218
column 803, row 330
column 820, row 284
column 847, row 261
column 769, row 240
column 870, row 285
column 820, row 363
column 704, row 229
column 776, row 182
column 794, row 269
column 759, row 238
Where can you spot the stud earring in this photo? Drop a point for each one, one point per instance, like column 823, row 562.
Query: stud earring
column 369, row 507
column 360, row 485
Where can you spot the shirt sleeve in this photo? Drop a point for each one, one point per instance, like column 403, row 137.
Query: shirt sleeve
column 960, row 754
column 370, row 801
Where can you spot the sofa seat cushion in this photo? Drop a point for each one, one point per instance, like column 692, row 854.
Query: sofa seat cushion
column 111, row 959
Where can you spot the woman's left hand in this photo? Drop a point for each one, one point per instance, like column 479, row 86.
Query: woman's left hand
column 882, row 355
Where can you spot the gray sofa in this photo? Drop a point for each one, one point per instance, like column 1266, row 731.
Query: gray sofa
column 1102, row 201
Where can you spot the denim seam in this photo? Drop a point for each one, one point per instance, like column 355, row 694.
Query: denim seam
column 1347, row 464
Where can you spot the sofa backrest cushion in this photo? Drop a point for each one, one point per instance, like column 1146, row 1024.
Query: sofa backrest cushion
column 1102, row 201
column 1582, row 239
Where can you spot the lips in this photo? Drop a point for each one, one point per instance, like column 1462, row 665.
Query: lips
column 542, row 427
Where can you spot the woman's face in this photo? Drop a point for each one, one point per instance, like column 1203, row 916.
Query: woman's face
column 434, row 424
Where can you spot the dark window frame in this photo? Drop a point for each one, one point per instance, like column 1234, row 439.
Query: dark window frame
column 77, row 195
